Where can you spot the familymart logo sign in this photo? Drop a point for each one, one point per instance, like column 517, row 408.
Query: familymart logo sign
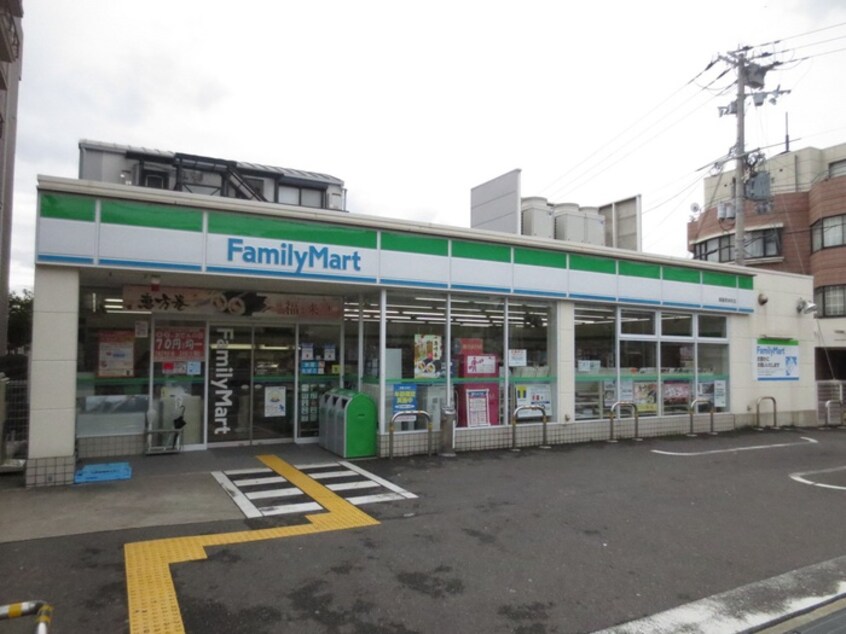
column 227, row 253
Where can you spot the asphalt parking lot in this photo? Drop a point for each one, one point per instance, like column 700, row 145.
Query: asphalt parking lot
column 578, row 538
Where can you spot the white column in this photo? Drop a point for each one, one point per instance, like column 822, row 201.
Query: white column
column 52, row 383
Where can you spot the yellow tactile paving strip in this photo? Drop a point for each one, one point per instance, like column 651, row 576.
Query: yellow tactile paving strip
column 153, row 606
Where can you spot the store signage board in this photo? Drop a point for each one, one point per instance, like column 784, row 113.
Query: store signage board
column 199, row 301
column 777, row 360
column 163, row 237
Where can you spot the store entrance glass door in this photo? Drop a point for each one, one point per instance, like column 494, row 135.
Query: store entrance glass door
column 250, row 383
column 319, row 371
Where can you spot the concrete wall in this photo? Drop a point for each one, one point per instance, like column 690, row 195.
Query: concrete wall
column 777, row 318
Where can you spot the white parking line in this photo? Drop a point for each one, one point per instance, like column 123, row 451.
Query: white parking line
column 735, row 450
column 800, row 477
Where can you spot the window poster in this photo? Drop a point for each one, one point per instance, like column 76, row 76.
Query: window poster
column 116, row 356
column 646, row 397
column 306, row 351
column 274, row 401
column 428, row 356
column 329, row 352
column 517, row 358
column 533, row 394
column 720, row 392
column 405, row 400
column 777, row 359
column 179, row 344
column 478, row 410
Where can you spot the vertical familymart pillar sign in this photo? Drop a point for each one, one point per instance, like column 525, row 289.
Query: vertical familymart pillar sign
column 777, row 359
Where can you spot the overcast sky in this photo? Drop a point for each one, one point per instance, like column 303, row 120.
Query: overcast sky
column 414, row 103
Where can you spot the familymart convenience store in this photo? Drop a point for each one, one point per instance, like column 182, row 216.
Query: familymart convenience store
column 235, row 318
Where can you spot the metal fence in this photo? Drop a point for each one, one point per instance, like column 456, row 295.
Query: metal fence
column 17, row 418
column 831, row 393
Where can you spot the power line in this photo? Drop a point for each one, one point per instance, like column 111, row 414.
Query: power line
column 793, row 37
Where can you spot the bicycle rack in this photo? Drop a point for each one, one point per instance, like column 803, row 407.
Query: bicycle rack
column 758, row 412
column 410, row 412
column 617, row 405
column 544, row 444
column 692, row 409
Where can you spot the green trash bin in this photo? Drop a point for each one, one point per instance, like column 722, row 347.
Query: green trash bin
column 347, row 421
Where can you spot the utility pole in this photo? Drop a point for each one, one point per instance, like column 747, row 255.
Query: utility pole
column 740, row 163
column 749, row 74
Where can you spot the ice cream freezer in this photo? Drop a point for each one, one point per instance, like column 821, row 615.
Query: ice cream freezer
column 347, row 423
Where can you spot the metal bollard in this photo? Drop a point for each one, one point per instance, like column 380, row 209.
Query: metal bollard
column 448, row 432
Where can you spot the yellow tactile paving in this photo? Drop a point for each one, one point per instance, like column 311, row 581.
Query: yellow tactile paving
column 153, row 606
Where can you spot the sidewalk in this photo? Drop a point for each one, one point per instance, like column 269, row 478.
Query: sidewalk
column 163, row 490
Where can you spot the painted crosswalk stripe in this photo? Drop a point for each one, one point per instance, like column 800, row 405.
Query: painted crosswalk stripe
column 247, row 507
column 388, row 485
column 249, row 471
column 265, row 494
column 351, row 486
column 305, row 507
column 376, row 497
column 250, row 482
column 273, row 493
column 325, row 475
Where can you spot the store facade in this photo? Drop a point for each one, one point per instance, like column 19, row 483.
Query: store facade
column 236, row 317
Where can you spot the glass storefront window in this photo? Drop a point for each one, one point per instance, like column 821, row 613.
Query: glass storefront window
column 676, row 324
column 477, row 358
column 713, row 326
column 179, row 371
column 713, row 375
column 639, row 376
column 688, row 367
column 677, row 374
column 319, row 371
column 530, row 376
column 113, row 366
column 637, row 322
column 596, row 361
column 415, row 358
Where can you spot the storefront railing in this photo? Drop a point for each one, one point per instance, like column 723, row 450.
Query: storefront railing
column 691, row 409
column 616, row 406
column 538, row 408
column 412, row 412
column 758, row 412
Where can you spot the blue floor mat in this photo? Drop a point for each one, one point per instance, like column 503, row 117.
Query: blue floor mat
column 103, row 472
